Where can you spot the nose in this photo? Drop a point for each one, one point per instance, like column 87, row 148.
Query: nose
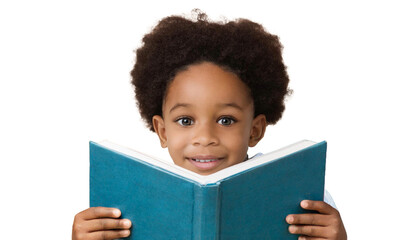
column 205, row 135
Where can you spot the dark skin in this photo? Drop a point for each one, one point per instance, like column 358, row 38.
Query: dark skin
column 100, row 223
column 203, row 106
column 103, row 223
column 326, row 224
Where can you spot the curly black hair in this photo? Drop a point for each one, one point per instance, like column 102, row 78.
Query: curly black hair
column 242, row 46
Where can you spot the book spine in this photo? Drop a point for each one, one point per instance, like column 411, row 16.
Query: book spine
column 206, row 217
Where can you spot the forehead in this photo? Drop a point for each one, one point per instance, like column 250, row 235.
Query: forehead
column 207, row 83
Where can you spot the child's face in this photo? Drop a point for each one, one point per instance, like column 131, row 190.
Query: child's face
column 208, row 120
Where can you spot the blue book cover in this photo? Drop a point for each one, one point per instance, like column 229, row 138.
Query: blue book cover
column 249, row 200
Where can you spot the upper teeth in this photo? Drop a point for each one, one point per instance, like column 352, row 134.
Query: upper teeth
column 200, row 160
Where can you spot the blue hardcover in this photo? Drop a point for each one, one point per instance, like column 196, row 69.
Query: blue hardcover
column 252, row 204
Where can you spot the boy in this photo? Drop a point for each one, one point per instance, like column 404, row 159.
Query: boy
column 209, row 90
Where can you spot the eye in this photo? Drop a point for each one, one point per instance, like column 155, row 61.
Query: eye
column 226, row 121
column 185, row 121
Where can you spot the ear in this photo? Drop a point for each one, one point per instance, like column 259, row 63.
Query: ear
column 259, row 125
column 159, row 126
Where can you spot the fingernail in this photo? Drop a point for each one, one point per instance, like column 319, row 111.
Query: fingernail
column 305, row 203
column 125, row 233
column 116, row 212
column 289, row 219
column 126, row 223
column 292, row 228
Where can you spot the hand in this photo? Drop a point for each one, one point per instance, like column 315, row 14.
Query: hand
column 100, row 223
column 326, row 224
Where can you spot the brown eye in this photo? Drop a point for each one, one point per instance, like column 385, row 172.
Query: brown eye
column 184, row 121
column 226, row 121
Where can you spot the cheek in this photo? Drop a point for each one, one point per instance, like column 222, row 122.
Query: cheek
column 238, row 141
column 176, row 144
column 175, row 152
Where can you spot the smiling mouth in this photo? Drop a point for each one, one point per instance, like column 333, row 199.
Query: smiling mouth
column 205, row 160
column 205, row 163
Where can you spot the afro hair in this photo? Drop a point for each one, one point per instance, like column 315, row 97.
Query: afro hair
column 242, row 46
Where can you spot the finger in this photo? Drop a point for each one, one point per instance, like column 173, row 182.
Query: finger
column 108, row 224
column 310, row 238
column 99, row 212
column 308, row 230
column 319, row 206
column 105, row 235
column 308, row 219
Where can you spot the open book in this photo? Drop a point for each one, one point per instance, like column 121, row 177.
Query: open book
column 249, row 200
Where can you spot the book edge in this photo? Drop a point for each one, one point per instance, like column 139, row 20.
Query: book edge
column 214, row 178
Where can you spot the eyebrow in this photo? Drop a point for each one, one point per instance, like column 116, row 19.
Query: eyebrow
column 234, row 105
column 178, row 105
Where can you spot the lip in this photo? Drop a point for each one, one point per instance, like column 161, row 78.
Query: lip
column 205, row 166
column 204, row 157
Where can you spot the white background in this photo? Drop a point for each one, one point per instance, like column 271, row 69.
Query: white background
column 64, row 72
